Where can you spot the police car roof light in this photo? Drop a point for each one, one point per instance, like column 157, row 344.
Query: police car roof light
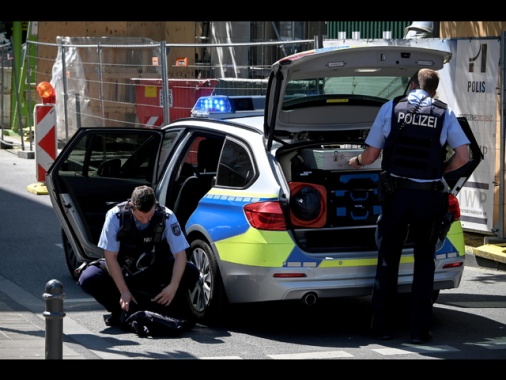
column 222, row 106
column 208, row 104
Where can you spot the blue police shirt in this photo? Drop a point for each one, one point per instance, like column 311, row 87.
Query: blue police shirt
column 452, row 131
column 175, row 237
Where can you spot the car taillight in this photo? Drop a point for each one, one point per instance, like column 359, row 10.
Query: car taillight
column 265, row 216
column 453, row 206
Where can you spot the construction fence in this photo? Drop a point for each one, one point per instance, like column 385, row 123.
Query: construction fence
column 124, row 82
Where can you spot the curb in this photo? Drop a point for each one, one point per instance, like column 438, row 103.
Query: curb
column 492, row 256
column 17, row 145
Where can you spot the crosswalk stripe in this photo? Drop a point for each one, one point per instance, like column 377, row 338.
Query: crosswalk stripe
column 314, row 355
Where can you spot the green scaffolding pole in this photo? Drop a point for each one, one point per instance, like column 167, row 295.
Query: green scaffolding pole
column 23, row 75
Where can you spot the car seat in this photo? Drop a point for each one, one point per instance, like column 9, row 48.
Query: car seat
column 208, row 154
column 196, row 186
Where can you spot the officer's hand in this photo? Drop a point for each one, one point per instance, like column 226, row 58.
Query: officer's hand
column 353, row 163
column 166, row 296
column 125, row 300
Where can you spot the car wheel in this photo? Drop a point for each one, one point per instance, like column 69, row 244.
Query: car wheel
column 208, row 298
column 70, row 256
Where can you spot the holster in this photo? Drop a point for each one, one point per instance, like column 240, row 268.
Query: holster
column 386, row 185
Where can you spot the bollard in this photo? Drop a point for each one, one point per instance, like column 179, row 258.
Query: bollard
column 54, row 319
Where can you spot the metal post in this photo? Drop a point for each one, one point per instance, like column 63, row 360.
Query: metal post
column 78, row 113
column 54, row 314
column 164, row 92
column 65, row 90
column 501, row 225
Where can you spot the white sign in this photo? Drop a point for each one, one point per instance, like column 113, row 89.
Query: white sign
column 474, row 95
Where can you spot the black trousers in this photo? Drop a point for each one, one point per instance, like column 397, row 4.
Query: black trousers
column 420, row 211
column 96, row 281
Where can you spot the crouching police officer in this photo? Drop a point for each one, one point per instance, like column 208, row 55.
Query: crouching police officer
column 145, row 265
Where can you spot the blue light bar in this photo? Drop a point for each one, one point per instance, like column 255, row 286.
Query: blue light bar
column 226, row 107
column 211, row 104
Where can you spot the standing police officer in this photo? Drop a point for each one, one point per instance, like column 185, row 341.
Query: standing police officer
column 145, row 266
column 412, row 132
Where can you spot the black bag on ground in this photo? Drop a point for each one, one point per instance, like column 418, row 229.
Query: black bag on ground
column 148, row 323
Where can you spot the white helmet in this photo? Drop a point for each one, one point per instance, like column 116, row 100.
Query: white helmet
column 419, row 29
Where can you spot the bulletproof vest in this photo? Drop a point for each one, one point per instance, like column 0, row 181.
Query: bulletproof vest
column 138, row 248
column 413, row 148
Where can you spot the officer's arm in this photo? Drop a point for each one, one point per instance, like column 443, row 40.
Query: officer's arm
column 459, row 158
column 367, row 157
column 169, row 292
column 111, row 259
column 179, row 267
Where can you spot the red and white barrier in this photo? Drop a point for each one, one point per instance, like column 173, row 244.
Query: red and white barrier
column 45, row 137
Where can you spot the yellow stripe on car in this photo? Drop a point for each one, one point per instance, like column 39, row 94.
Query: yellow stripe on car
column 257, row 248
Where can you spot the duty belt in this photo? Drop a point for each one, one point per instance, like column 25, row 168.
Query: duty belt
column 404, row 183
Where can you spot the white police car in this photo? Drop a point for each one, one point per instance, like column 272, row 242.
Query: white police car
column 268, row 203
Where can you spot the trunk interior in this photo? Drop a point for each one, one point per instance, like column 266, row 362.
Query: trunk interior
column 333, row 207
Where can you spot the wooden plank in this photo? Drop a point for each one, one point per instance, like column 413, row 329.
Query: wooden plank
column 471, row 29
column 181, row 32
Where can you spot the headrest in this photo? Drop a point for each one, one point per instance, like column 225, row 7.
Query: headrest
column 208, row 154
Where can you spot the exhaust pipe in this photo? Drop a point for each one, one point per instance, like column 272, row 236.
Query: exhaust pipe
column 309, row 298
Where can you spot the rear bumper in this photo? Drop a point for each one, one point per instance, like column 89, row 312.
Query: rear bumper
column 245, row 284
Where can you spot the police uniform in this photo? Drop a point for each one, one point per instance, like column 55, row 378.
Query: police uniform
column 415, row 159
column 146, row 260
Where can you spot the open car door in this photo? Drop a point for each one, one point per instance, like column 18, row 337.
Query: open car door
column 98, row 168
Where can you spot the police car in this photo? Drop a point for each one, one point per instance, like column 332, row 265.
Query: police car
column 271, row 208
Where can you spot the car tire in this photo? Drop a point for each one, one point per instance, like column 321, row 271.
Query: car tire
column 208, row 298
column 70, row 256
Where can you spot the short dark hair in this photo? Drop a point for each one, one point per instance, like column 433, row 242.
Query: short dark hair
column 428, row 80
column 143, row 198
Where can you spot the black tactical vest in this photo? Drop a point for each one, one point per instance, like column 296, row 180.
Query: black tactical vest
column 138, row 248
column 412, row 149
